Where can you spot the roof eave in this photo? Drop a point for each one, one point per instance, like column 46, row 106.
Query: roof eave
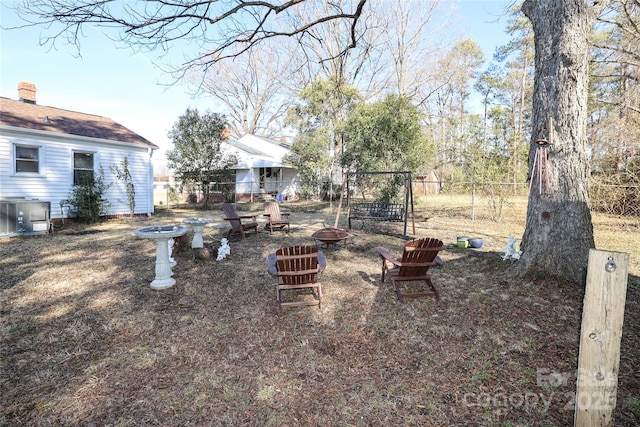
column 67, row 136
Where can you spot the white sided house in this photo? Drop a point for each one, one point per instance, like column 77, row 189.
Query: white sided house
column 261, row 170
column 43, row 151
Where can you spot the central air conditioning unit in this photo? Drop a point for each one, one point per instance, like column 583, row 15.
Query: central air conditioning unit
column 24, row 217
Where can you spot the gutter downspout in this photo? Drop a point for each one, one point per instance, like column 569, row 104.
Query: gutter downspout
column 150, row 207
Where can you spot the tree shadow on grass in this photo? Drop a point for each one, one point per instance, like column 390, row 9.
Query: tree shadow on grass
column 483, row 353
column 88, row 341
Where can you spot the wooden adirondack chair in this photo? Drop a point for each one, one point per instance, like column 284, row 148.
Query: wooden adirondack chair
column 419, row 255
column 276, row 219
column 238, row 226
column 297, row 267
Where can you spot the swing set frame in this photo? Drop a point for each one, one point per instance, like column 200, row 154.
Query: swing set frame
column 378, row 211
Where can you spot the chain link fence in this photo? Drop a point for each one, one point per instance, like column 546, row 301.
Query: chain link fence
column 496, row 197
column 173, row 195
column 616, row 199
column 474, row 199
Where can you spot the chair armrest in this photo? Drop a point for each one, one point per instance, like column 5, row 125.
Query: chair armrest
column 385, row 254
column 231, row 218
column 271, row 265
column 268, row 215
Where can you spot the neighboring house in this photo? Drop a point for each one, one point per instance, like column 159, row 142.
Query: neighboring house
column 43, row 151
column 261, row 169
column 260, row 172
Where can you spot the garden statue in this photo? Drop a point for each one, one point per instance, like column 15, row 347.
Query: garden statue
column 510, row 252
column 224, row 249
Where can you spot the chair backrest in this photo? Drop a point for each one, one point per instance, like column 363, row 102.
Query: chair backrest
column 418, row 256
column 297, row 265
column 273, row 209
column 230, row 212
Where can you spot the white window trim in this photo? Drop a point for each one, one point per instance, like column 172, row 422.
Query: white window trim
column 41, row 160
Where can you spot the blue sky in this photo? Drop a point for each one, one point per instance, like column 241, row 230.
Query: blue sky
column 129, row 89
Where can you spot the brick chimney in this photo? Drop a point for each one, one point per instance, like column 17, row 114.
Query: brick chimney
column 27, row 92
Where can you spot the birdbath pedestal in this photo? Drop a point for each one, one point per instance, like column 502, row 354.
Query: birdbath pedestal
column 164, row 262
column 198, row 225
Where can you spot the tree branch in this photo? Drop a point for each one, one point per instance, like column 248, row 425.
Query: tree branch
column 222, row 30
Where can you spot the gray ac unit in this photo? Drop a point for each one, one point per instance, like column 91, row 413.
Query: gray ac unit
column 24, row 217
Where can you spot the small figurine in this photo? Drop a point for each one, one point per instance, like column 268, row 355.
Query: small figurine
column 510, row 252
column 224, row 249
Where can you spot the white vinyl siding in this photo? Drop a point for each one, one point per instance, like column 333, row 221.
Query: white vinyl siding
column 55, row 178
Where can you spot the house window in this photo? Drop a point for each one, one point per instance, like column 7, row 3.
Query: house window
column 27, row 159
column 82, row 168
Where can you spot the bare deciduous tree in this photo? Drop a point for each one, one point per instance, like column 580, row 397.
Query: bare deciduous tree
column 323, row 54
column 413, row 30
column 615, row 84
column 444, row 96
column 222, row 30
column 252, row 89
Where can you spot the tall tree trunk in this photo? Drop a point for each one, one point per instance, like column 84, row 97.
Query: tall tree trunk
column 520, row 132
column 559, row 230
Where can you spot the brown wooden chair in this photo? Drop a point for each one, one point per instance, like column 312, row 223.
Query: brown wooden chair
column 297, row 267
column 419, row 255
column 276, row 219
column 236, row 221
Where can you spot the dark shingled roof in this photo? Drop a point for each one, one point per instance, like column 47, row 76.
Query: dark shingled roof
column 26, row 115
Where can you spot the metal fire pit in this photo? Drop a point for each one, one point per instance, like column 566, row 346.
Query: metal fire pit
column 330, row 236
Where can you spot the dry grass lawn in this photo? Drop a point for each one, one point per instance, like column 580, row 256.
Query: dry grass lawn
column 86, row 341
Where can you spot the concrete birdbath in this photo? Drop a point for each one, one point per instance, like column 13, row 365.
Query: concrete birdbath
column 198, row 225
column 162, row 234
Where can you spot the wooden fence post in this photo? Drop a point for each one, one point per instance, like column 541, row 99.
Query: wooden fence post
column 602, row 319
